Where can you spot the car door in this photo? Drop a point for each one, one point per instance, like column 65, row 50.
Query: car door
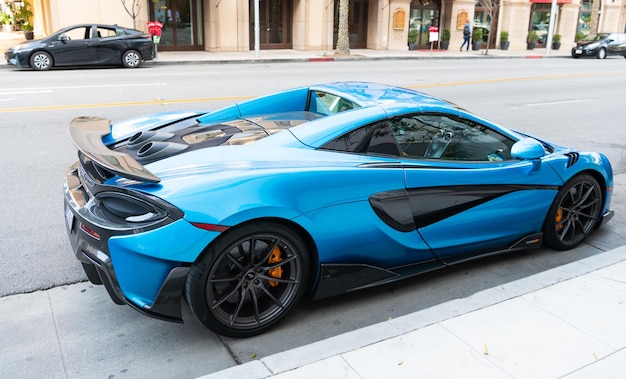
column 108, row 45
column 467, row 194
column 618, row 44
column 73, row 47
column 380, row 179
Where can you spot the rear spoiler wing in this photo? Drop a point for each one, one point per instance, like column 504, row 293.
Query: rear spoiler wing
column 86, row 134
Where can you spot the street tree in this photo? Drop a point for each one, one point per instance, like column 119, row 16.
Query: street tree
column 343, row 36
column 490, row 6
column 595, row 15
column 133, row 10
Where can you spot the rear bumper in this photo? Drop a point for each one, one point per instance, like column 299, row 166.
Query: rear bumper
column 98, row 266
column 154, row 286
column 167, row 305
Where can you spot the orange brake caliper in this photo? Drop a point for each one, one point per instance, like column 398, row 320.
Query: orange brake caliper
column 559, row 217
column 278, row 271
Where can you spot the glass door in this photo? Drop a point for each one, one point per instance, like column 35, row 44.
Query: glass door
column 423, row 15
column 539, row 22
column 274, row 24
column 182, row 24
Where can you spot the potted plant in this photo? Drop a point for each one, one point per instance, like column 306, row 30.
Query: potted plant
column 24, row 17
column 413, row 34
column 556, row 41
column 579, row 36
column 532, row 40
column 28, row 31
column 477, row 39
column 504, row 40
column 6, row 19
column 445, row 39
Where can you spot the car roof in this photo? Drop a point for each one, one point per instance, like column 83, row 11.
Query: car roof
column 377, row 101
column 367, row 93
column 112, row 26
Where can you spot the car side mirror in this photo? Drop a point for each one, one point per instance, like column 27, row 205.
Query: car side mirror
column 527, row 148
column 63, row 38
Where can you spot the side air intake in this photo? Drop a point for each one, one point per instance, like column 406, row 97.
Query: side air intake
column 573, row 158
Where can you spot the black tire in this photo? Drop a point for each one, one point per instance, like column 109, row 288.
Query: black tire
column 601, row 53
column 40, row 61
column 131, row 59
column 237, row 291
column 574, row 213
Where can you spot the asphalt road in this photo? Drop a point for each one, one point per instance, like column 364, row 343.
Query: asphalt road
column 572, row 102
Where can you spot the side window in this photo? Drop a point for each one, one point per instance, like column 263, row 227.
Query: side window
column 442, row 136
column 326, row 104
column 105, row 32
column 372, row 139
column 78, row 33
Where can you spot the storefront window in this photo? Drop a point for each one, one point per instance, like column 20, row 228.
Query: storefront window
column 584, row 20
column 422, row 15
column 540, row 21
column 482, row 20
column 181, row 29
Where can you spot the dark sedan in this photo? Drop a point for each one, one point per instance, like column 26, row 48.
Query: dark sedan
column 601, row 45
column 80, row 45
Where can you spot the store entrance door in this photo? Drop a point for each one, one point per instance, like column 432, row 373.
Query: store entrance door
column 423, row 15
column 274, row 24
column 182, row 24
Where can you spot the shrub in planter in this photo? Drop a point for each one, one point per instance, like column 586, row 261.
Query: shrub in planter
column 504, row 40
column 28, row 31
column 556, row 41
column 413, row 34
column 445, row 39
column 7, row 20
column 532, row 40
column 579, row 36
column 477, row 39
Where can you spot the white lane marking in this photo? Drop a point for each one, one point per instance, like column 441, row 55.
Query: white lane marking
column 51, row 89
column 23, row 92
column 557, row 102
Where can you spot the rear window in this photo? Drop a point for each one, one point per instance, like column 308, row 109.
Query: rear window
column 325, row 103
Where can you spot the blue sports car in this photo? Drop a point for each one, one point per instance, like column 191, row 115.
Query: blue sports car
column 318, row 191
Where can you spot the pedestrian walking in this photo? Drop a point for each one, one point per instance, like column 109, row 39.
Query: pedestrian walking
column 467, row 35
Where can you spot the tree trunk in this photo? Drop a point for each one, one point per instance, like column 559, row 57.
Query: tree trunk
column 343, row 35
column 595, row 10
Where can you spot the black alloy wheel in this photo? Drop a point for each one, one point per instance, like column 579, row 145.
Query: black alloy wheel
column 40, row 61
column 574, row 213
column 249, row 280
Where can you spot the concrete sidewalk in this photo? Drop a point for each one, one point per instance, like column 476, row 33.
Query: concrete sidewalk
column 572, row 328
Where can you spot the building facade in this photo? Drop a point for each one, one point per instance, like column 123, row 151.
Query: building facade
column 229, row 25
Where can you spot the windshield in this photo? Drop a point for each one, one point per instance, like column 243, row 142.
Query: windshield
column 596, row 37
